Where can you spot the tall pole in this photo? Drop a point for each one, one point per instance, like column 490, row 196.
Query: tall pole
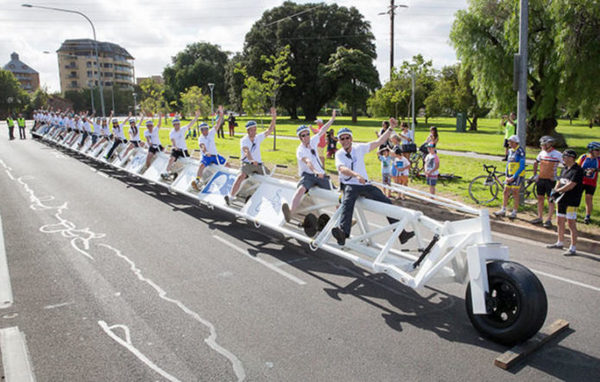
column 522, row 92
column 392, row 14
column 412, row 103
column 134, row 103
column 95, row 45
column 211, row 86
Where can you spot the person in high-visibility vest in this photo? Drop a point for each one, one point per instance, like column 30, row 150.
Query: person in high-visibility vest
column 21, row 123
column 11, row 128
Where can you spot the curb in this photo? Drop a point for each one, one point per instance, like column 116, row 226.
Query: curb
column 585, row 242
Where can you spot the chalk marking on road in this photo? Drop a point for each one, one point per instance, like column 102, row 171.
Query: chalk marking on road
column 564, row 279
column 80, row 238
column 261, row 261
column 126, row 343
column 59, row 305
column 10, row 175
column 211, row 340
column 6, row 296
column 15, row 357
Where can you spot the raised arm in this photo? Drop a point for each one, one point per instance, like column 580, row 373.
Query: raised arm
column 189, row 125
column 326, row 126
column 383, row 138
column 159, row 120
column 273, row 122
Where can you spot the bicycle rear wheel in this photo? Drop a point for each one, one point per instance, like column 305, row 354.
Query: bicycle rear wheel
column 483, row 189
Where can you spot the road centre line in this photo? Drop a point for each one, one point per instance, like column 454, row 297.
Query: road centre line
column 15, row 357
column 6, row 296
column 261, row 261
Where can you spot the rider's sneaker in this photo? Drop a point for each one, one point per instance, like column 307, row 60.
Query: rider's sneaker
column 227, row 200
column 587, row 220
column 285, row 208
column 339, row 235
column 513, row 215
column 500, row 213
column 537, row 221
column 547, row 224
column 164, row 176
column 570, row 252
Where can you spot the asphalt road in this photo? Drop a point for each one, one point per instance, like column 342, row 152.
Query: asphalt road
column 118, row 280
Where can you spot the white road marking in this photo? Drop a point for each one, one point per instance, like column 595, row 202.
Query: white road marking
column 6, row 296
column 126, row 343
column 211, row 340
column 15, row 357
column 564, row 279
column 59, row 305
column 261, row 261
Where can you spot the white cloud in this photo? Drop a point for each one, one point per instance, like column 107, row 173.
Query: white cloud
column 153, row 31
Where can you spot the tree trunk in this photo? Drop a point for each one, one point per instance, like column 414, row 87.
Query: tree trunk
column 426, row 119
column 472, row 123
column 354, row 113
column 547, row 126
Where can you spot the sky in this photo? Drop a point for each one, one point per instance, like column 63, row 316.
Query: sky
column 154, row 31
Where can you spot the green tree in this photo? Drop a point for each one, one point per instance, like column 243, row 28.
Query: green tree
column 356, row 76
column 453, row 93
column 197, row 65
column 394, row 98
column 152, row 96
column 13, row 99
column 563, row 57
column 234, row 82
column 193, row 100
column 313, row 32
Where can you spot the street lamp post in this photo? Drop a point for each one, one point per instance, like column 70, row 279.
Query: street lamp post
column 134, row 103
column 392, row 13
column 95, row 45
column 211, row 87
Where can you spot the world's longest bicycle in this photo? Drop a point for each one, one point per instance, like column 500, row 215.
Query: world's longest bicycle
column 504, row 300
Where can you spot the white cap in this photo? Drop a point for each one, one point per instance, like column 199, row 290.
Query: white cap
column 514, row 138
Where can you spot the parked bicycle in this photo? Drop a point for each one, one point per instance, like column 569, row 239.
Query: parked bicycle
column 484, row 189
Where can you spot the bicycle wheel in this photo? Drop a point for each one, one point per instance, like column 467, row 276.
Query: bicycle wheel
column 416, row 165
column 483, row 189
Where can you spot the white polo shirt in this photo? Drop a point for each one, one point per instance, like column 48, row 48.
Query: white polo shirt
column 209, row 141
column 179, row 138
column 118, row 131
column 134, row 133
column 152, row 136
column 312, row 154
column 355, row 160
column 254, row 147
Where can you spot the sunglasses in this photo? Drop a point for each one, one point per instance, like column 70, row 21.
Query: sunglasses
column 304, row 135
column 345, row 138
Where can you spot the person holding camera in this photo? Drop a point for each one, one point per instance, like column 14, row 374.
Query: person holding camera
column 567, row 194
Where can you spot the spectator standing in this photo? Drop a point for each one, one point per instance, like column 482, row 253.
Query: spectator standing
column 21, row 123
column 400, row 169
column 322, row 141
column 11, row 128
column 386, row 168
column 514, row 179
column 590, row 163
column 331, row 144
column 406, row 134
column 567, row 192
column 232, row 124
column 547, row 160
column 432, row 166
column 510, row 129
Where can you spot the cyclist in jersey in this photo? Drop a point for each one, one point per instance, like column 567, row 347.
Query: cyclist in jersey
column 590, row 163
column 206, row 142
column 514, row 176
column 547, row 160
column 179, row 150
column 152, row 137
column 310, row 166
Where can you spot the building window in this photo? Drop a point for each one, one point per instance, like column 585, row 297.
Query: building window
column 73, row 84
column 88, row 64
column 89, row 74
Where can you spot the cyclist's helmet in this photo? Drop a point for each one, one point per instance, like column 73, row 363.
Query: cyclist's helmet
column 593, row 146
column 547, row 140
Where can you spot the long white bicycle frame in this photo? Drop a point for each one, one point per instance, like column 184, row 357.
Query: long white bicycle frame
column 456, row 251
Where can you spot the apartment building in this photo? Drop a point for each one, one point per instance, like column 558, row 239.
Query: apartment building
column 78, row 69
column 27, row 76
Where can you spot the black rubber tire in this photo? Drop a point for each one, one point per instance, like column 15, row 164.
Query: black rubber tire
column 518, row 304
column 481, row 192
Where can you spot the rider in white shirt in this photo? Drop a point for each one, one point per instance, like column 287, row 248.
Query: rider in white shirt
column 208, row 147
column 179, row 150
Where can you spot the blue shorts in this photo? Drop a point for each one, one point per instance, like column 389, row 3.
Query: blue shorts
column 394, row 171
column 208, row 160
column 432, row 180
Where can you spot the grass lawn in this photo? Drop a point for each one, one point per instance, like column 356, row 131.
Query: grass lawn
column 488, row 140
